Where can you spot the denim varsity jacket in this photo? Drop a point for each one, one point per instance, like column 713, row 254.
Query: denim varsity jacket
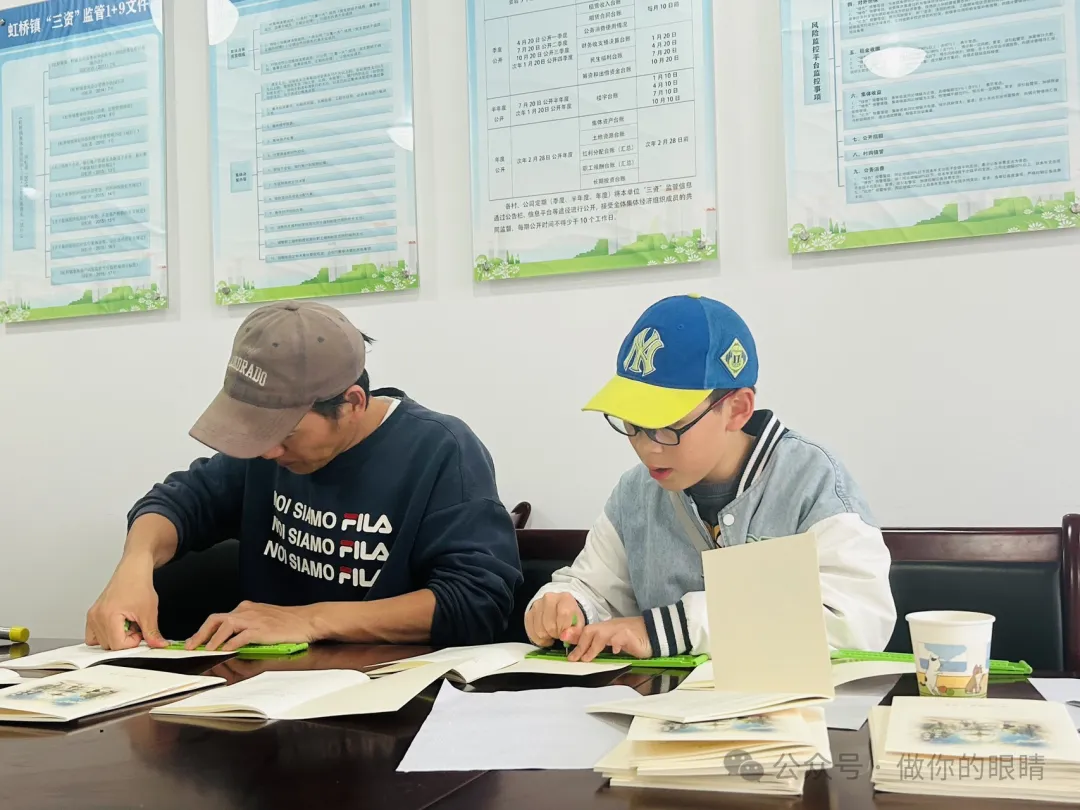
column 640, row 560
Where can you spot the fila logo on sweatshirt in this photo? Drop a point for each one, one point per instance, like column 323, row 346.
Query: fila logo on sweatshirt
column 362, row 523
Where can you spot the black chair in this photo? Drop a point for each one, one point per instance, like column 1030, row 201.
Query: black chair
column 193, row 586
column 1028, row 579
column 543, row 552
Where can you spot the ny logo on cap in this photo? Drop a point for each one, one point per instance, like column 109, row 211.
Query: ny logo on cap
column 639, row 359
column 735, row 358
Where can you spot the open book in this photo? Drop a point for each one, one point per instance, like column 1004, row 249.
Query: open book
column 8, row 677
column 80, row 656
column 470, row 664
column 304, row 695
column 72, row 696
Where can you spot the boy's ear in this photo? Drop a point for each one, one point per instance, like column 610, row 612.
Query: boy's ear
column 740, row 408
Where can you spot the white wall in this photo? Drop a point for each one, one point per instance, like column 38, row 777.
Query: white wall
column 943, row 375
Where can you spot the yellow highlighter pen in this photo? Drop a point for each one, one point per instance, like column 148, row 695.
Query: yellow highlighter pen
column 19, row 635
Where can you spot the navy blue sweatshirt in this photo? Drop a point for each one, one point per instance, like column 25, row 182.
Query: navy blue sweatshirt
column 412, row 506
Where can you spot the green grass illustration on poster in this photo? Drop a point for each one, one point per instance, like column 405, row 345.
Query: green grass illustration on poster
column 361, row 278
column 119, row 299
column 1007, row 215
column 646, row 251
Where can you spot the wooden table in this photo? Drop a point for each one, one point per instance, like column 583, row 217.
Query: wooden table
column 130, row 759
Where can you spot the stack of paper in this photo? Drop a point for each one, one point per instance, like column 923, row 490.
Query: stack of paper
column 767, row 753
column 72, row 696
column 752, row 723
column 859, row 685
column 982, row 748
column 469, row 664
column 304, row 695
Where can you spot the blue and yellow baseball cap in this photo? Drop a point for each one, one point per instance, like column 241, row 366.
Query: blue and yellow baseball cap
column 680, row 350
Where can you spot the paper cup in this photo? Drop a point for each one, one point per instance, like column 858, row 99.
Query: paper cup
column 952, row 652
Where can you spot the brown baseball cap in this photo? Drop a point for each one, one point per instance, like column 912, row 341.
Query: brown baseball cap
column 286, row 357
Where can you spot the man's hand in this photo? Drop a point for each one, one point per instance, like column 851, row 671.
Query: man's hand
column 254, row 623
column 619, row 634
column 126, row 613
column 554, row 617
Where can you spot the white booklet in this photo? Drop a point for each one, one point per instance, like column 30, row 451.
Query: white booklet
column 71, row 696
column 8, row 676
column 781, row 646
column 985, row 728
column 701, row 677
column 304, row 695
column 968, row 757
column 79, row 656
column 788, row 726
column 470, row 664
column 756, row 754
column 698, row 706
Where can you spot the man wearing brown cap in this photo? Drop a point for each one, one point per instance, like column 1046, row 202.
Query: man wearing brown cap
column 362, row 516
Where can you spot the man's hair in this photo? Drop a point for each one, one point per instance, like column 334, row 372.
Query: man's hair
column 329, row 408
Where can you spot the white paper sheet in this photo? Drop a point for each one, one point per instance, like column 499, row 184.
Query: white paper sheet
column 852, row 671
column 1061, row 690
column 7, row 677
column 851, row 706
column 504, row 731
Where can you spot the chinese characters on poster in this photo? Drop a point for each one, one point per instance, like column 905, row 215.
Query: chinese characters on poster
column 916, row 120
column 311, row 126
column 82, row 216
column 593, row 135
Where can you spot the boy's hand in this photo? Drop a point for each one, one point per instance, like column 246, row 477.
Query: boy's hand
column 554, row 617
column 619, row 634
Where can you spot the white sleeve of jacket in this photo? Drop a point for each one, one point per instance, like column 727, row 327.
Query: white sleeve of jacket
column 853, row 563
column 599, row 578
column 860, row 613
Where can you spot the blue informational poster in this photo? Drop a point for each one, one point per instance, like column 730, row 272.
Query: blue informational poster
column 312, row 133
column 82, row 160
column 593, row 135
column 917, row 120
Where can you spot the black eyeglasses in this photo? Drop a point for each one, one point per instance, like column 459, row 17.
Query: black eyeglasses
column 667, row 436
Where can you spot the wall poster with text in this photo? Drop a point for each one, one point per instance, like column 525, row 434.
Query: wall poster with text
column 82, row 160
column 918, row 120
column 593, row 135
column 312, row 135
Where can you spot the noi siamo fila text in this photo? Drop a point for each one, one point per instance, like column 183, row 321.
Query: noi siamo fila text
column 313, row 539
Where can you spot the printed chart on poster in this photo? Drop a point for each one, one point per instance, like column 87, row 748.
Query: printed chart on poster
column 313, row 178
column 593, row 135
column 917, row 120
column 82, row 212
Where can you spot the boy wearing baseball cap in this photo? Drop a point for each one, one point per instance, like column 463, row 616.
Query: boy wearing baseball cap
column 715, row 472
column 362, row 516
